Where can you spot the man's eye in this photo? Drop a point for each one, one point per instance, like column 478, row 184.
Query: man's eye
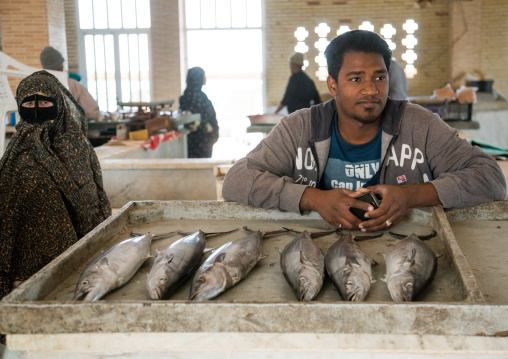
column 382, row 77
column 355, row 79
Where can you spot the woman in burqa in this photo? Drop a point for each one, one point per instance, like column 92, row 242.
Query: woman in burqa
column 199, row 142
column 50, row 181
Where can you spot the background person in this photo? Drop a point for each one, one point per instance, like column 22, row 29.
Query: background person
column 51, row 59
column 50, row 181
column 320, row 159
column 301, row 91
column 200, row 141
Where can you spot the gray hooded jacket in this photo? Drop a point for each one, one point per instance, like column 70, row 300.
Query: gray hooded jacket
column 417, row 146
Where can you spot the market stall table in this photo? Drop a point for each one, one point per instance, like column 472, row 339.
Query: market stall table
column 454, row 315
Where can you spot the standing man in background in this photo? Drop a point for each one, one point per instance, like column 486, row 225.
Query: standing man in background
column 52, row 59
column 300, row 91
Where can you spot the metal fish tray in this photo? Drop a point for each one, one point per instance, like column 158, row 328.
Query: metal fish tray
column 263, row 302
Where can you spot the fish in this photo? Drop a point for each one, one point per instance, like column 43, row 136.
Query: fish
column 114, row 267
column 227, row 266
column 173, row 265
column 349, row 267
column 303, row 265
column 410, row 266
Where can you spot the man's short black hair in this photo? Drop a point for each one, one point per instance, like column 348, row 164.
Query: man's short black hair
column 357, row 41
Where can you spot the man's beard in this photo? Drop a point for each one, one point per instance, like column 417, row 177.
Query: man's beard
column 366, row 119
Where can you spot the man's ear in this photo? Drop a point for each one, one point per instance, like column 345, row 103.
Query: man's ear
column 332, row 85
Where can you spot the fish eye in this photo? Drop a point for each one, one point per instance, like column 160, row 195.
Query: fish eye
column 303, row 279
column 85, row 282
column 349, row 282
column 409, row 285
column 200, row 280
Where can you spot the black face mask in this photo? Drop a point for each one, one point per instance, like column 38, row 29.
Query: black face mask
column 37, row 115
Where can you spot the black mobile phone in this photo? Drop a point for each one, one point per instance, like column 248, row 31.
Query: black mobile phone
column 368, row 197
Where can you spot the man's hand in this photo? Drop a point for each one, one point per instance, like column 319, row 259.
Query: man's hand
column 333, row 205
column 396, row 200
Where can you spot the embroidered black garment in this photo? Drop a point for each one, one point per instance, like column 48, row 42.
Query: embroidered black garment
column 200, row 142
column 50, row 184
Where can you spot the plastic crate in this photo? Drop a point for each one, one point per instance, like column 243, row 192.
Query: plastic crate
column 456, row 111
column 452, row 111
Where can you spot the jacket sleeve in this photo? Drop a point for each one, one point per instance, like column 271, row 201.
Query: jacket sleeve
column 264, row 178
column 464, row 175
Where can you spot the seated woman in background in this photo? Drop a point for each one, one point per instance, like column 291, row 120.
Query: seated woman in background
column 50, row 181
column 199, row 142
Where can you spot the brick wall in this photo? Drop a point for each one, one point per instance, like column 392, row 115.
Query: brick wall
column 27, row 29
column 72, row 36
column 24, row 29
column 56, row 26
column 465, row 36
column 453, row 38
column 283, row 17
column 494, row 46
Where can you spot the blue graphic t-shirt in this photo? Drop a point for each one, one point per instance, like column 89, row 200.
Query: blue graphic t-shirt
column 351, row 166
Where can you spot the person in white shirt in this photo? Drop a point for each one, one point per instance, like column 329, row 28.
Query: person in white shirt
column 52, row 59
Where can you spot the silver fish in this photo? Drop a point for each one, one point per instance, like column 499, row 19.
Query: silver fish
column 410, row 266
column 227, row 266
column 113, row 268
column 303, row 265
column 174, row 264
column 349, row 268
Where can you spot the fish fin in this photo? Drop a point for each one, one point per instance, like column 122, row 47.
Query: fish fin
column 411, row 259
column 398, row 235
column 278, row 250
column 104, row 261
column 367, row 237
column 383, row 279
column 220, row 258
column 303, row 258
column 373, row 281
column 262, row 257
column 381, row 254
column 373, row 262
column 245, row 228
column 351, row 261
column 169, row 258
column 321, row 234
column 215, row 234
column 206, row 250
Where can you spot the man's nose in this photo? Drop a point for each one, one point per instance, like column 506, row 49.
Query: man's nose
column 369, row 88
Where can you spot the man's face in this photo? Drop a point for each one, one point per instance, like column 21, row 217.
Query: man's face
column 361, row 89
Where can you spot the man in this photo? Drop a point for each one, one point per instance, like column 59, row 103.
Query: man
column 321, row 158
column 300, row 91
column 397, row 82
column 51, row 59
